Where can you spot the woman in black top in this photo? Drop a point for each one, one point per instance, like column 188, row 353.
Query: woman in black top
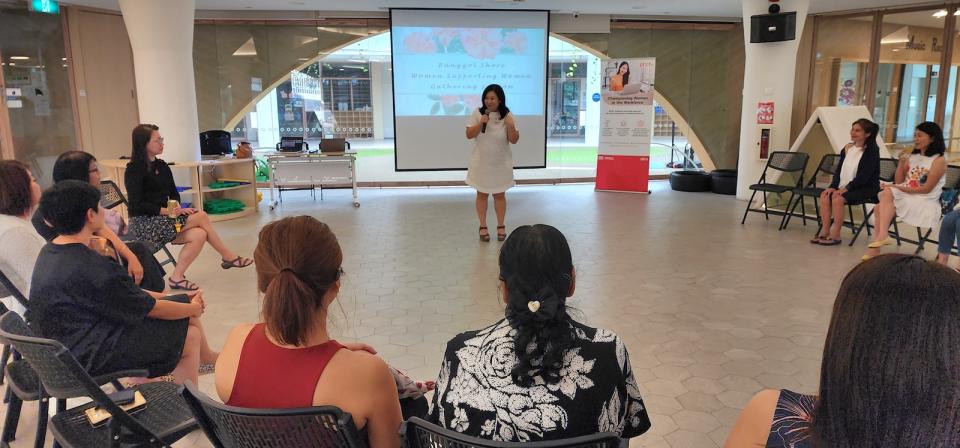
column 138, row 255
column 538, row 374
column 856, row 180
column 150, row 185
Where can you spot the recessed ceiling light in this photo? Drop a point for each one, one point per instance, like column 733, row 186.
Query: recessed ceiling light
column 20, row 58
column 940, row 14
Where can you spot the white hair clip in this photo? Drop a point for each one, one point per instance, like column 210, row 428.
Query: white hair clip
column 533, row 305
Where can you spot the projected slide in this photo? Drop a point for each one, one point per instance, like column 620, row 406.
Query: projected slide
column 443, row 59
column 441, row 71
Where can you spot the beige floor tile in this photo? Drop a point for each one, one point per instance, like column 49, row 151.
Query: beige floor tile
column 711, row 311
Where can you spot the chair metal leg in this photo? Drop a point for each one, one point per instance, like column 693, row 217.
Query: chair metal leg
column 896, row 230
column 4, row 359
column 790, row 210
column 170, row 256
column 864, row 223
column 786, row 213
column 803, row 210
column 921, row 240
column 816, row 207
column 12, row 420
column 43, row 415
column 766, row 209
column 748, row 207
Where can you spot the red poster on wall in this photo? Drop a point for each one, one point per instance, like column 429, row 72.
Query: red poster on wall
column 765, row 113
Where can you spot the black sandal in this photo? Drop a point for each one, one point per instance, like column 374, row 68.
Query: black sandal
column 238, row 262
column 183, row 285
column 501, row 236
column 484, row 238
column 830, row 241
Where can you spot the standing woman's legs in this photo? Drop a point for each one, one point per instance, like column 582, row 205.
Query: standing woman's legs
column 482, row 212
column 500, row 206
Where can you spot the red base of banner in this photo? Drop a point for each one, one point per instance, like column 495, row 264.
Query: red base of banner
column 623, row 173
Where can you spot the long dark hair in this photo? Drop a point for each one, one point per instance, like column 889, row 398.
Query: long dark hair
column 937, row 145
column 891, row 361
column 297, row 260
column 871, row 129
column 626, row 76
column 141, row 136
column 73, row 165
column 536, row 266
column 497, row 90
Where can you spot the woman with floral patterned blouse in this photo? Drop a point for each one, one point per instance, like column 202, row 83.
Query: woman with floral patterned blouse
column 537, row 374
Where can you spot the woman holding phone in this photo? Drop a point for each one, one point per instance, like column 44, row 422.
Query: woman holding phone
column 494, row 129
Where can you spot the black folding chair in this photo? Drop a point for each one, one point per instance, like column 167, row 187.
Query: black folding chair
column 164, row 420
column 233, row 427
column 827, row 166
column 888, row 174
column 111, row 196
column 418, row 433
column 794, row 163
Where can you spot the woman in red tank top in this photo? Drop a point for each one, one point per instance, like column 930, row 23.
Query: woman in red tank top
column 289, row 360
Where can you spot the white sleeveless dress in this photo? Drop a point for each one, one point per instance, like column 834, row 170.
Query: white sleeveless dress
column 919, row 209
column 491, row 162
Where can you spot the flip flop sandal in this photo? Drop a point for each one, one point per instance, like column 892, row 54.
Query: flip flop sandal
column 183, row 285
column 830, row 242
column 818, row 239
column 238, row 262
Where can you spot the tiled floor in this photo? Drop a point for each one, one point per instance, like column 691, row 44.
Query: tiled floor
column 711, row 311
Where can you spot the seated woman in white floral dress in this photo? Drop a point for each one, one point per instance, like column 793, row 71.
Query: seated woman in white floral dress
column 568, row 379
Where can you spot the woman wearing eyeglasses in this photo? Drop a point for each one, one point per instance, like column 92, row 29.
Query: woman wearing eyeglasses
column 150, row 186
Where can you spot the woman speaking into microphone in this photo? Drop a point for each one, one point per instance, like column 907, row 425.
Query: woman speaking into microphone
column 490, row 171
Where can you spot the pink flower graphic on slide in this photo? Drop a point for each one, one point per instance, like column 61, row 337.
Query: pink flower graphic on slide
column 420, row 43
column 481, row 43
column 471, row 101
column 516, row 41
column 445, row 35
column 449, row 100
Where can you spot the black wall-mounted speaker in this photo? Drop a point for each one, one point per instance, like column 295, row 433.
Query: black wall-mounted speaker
column 773, row 27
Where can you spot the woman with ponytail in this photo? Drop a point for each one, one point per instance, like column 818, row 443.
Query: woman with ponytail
column 289, row 360
column 538, row 374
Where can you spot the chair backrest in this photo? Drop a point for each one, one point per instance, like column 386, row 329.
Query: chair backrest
column 888, row 169
column 59, row 378
column 12, row 290
column 60, row 373
column 110, row 194
column 418, row 433
column 787, row 161
column 233, row 427
column 828, row 164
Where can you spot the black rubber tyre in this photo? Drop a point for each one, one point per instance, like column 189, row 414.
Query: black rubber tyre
column 723, row 181
column 690, row 181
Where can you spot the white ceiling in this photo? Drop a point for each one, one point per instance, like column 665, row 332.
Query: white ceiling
column 687, row 8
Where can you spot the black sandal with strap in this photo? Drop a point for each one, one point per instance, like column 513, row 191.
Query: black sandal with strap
column 183, row 285
column 238, row 262
column 501, row 236
column 484, row 238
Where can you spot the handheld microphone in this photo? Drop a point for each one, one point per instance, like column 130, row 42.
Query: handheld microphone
column 483, row 128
